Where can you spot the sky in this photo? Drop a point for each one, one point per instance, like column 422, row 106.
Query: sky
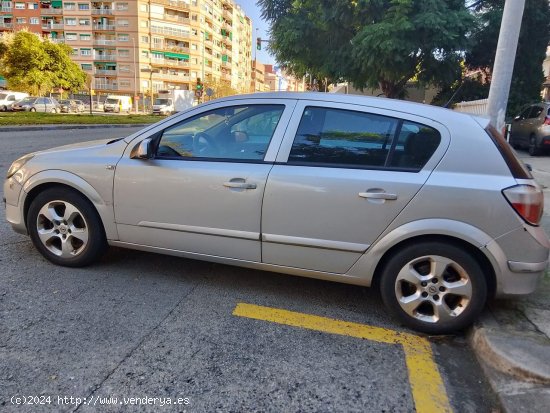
column 253, row 11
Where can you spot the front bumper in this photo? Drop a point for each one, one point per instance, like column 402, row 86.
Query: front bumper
column 14, row 211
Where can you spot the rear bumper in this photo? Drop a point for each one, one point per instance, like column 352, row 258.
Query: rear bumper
column 521, row 259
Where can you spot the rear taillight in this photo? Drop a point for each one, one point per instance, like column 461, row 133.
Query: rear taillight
column 546, row 120
column 527, row 201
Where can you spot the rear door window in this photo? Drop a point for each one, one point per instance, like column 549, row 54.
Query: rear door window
column 535, row 112
column 353, row 139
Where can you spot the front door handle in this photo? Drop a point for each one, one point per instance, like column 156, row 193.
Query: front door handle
column 239, row 183
column 378, row 195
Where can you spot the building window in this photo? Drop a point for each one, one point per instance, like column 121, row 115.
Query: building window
column 123, row 37
column 83, row 6
column 124, row 83
column 85, row 52
column 32, row 6
column 86, row 66
column 124, row 53
column 144, row 7
column 70, row 22
column 122, row 22
column 157, row 42
column 20, row 20
column 70, row 36
column 69, row 6
column 86, row 37
column 144, row 39
column 145, row 54
column 84, row 22
column 75, row 52
column 124, row 68
column 122, row 6
column 34, row 20
column 144, row 23
column 20, row 6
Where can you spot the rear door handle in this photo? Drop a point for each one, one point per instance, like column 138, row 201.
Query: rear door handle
column 239, row 183
column 378, row 195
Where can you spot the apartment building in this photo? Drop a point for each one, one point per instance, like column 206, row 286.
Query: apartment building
column 144, row 46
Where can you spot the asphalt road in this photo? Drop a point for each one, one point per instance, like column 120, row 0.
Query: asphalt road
column 142, row 325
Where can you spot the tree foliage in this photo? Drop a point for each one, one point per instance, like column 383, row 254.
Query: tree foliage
column 371, row 43
column 528, row 76
column 35, row 65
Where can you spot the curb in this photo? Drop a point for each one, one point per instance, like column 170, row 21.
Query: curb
column 498, row 349
column 25, row 128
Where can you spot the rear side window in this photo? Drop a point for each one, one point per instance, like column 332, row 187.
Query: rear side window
column 517, row 168
column 535, row 112
column 351, row 139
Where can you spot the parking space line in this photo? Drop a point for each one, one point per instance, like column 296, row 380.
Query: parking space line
column 427, row 386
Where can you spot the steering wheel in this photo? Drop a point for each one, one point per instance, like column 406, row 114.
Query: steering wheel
column 204, row 145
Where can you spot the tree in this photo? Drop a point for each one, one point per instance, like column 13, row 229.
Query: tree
column 528, row 76
column 35, row 65
column 371, row 43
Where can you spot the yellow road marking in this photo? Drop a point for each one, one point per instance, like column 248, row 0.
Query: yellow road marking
column 427, row 386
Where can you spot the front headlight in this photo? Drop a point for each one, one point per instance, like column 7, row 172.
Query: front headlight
column 18, row 164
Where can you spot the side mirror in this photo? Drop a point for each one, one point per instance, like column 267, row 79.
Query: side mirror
column 143, row 150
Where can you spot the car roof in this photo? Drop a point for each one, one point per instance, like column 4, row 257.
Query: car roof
column 436, row 113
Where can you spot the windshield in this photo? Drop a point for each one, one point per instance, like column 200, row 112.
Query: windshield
column 163, row 101
column 27, row 101
column 112, row 101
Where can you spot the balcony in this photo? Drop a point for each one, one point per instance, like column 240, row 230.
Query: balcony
column 228, row 14
column 106, row 27
column 176, row 49
column 105, row 57
column 53, row 26
column 104, row 42
column 51, row 12
column 167, row 31
column 6, row 26
column 179, row 19
column 172, row 77
column 175, row 4
column 170, row 63
column 6, row 9
column 57, row 40
column 105, row 72
column 105, row 86
column 102, row 12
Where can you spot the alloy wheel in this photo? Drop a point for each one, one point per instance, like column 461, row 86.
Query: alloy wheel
column 62, row 229
column 433, row 289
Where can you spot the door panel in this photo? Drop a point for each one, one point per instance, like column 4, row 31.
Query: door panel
column 203, row 191
column 343, row 173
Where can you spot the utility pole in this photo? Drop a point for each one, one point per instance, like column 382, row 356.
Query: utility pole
column 135, row 77
column 504, row 61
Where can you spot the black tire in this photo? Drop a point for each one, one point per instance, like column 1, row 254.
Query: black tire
column 463, row 265
column 534, row 150
column 32, row 109
column 86, row 253
column 4, row 108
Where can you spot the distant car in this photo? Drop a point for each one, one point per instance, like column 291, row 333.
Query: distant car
column 429, row 205
column 71, row 105
column 37, row 104
column 8, row 99
column 531, row 129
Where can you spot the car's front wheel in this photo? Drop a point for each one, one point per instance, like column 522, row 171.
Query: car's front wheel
column 433, row 287
column 65, row 228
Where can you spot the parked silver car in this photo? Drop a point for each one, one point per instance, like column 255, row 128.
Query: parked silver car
column 430, row 206
column 531, row 129
column 37, row 104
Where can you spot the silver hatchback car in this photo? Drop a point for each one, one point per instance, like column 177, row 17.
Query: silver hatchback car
column 430, row 206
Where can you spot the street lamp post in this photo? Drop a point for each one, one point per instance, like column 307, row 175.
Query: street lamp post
column 135, row 77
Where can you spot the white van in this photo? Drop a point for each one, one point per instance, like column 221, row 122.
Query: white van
column 116, row 103
column 8, row 98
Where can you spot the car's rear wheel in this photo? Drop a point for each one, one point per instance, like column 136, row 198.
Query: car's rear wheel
column 33, row 109
column 435, row 288
column 65, row 228
column 534, row 150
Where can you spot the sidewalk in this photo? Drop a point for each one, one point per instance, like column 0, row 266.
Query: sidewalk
column 512, row 337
